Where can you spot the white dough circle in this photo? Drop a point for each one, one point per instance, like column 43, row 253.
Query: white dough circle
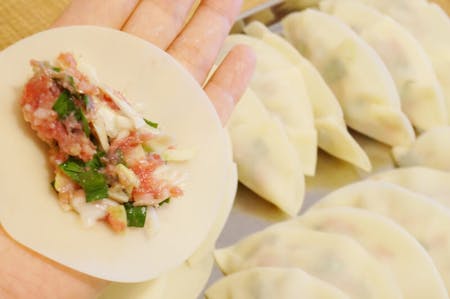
column 165, row 93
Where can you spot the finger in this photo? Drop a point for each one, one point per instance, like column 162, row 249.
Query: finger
column 107, row 13
column 198, row 44
column 230, row 80
column 159, row 21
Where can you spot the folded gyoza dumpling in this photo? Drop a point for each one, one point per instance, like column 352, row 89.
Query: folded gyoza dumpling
column 333, row 136
column 430, row 25
column 267, row 162
column 280, row 86
column 430, row 149
column 389, row 243
column 424, row 218
column 355, row 73
column 332, row 258
column 270, row 283
column 424, row 180
column 420, row 92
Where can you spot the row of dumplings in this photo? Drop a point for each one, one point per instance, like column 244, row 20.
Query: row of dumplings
column 384, row 237
column 380, row 67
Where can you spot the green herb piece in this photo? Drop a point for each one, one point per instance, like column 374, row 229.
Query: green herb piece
column 93, row 182
column 85, row 99
column 165, row 201
column 151, row 124
column 72, row 167
column 84, row 122
column 94, row 185
column 56, row 69
column 147, row 148
column 135, row 215
column 72, row 82
column 95, row 163
column 64, row 105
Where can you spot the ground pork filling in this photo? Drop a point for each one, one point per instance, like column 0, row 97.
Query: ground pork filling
column 107, row 160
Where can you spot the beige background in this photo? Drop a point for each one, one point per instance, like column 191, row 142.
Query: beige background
column 20, row 18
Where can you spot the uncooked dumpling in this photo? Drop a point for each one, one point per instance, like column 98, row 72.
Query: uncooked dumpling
column 389, row 243
column 431, row 149
column 332, row 258
column 355, row 73
column 280, row 86
column 430, row 25
column 420, row 92
column 270, row 283
column 267, row 162
column 333, row 136
column 428, row 181
column 425, row 219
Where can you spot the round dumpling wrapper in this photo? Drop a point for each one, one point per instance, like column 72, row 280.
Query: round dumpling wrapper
column 191, row 277
column 146, row 76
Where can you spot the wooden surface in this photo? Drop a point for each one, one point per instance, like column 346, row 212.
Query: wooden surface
column 445, row 4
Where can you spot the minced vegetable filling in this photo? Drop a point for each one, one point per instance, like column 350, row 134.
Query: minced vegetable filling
column 110, row 164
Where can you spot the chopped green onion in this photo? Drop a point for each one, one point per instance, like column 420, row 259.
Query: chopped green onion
column 72, row 167
column 93, row 182
column 165, row 201
column 151, row 124
column 56, row 69
column 84, row 122
column 94, row 185
column 64, row 105
column 72, row 82
column 86, row 99
column 95, row 163
column 135, row 215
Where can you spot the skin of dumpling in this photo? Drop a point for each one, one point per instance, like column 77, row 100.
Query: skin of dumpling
column 424, row 218
column 271, row 282
column 189, row 281
column 267, row 162
column 333, row 136
column 430, row 149
column 388, row 242
column 428, row 181
column 355, row 73
column 281, row 89
column 190, row 277
column 430, row 25
column 335, row 259
column 421, row 95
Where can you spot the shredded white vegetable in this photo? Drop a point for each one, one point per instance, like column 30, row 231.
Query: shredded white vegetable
column 125, row 107
column 152, row 223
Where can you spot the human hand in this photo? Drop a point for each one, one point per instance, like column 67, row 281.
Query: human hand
column 195, row 44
